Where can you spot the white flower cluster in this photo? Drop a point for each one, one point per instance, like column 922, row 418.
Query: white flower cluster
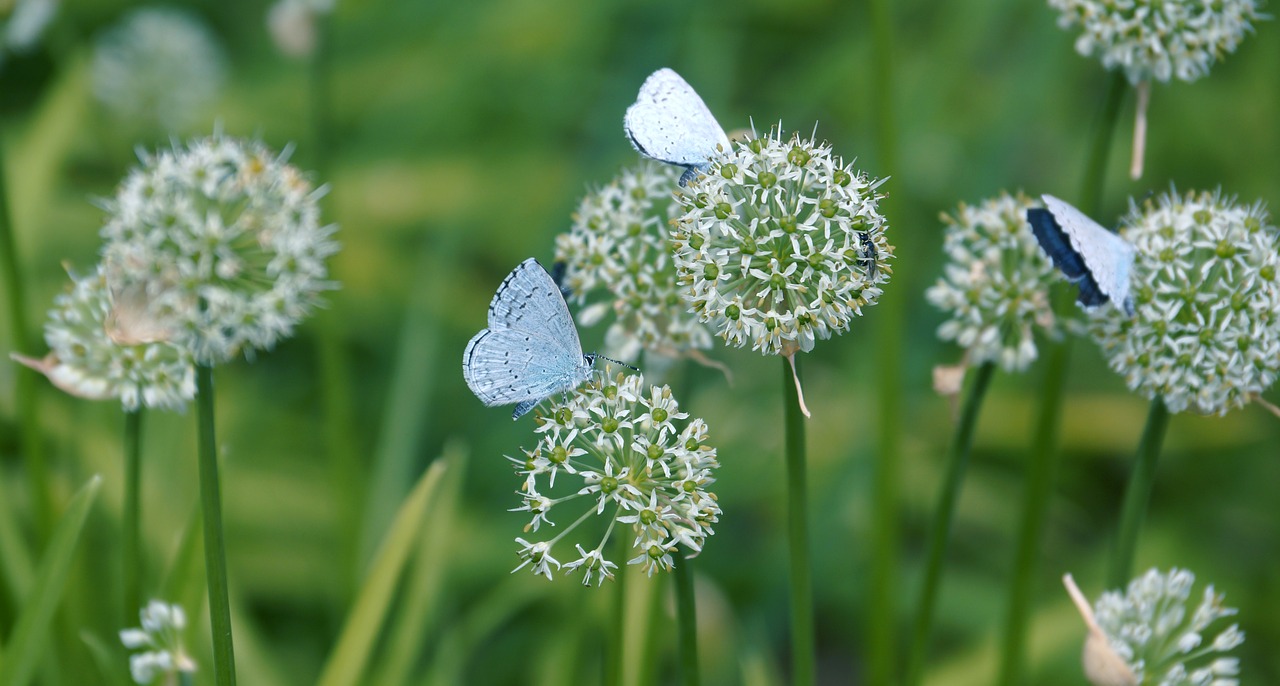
column 995, row 284
column 22, row 28
column 1158, row 39
column 618, row 244
column 638, row 461
column 781, row 244
column 222, row 241
column 159, row 66
column 1206, row 334
column 89, row 356
column 1149, row 629
column 161, row 634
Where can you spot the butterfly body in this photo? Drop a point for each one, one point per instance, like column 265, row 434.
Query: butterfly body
column 530, row 349
column 1099, row 261
column 670, row 123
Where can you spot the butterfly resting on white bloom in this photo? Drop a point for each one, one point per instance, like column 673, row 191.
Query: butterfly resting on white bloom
column 1096, row 259
column 670, row 123
column 531, row 348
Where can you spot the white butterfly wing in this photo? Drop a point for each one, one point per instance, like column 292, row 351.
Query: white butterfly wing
column 530, row 300
column 1108, row 256
column 670, row 123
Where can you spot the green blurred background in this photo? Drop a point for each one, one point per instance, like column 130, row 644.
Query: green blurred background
column 461, row 137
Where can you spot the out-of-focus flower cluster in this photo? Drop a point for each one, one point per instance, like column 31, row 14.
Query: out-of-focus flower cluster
column 995, row 284
column 630, row 455
column 1206, row 334
column 618, row 245
column 1158, row 40
column 781, row 244
column 161, row 635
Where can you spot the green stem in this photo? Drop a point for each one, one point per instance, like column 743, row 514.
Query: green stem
column 1035, row 507
column 215, row 556
column 613, row 650
column 34, row 459
column 1095, row 168
column 802, row 648
column 131, row 543
column 687, row 614
column 1137, row 494
column 881, row 624
column 957, row 462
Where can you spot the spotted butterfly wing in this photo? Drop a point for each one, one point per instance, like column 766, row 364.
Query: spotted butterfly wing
column 670, row 123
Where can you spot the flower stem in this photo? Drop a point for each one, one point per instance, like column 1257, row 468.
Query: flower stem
column 802, row 649
column 130, row 545
column 215, row 556
column 25, row 382
column 1137, row 494
column 613, row 651
column 1095, row 170
column 957, row 462
column 1035, row 507
column 687, row 613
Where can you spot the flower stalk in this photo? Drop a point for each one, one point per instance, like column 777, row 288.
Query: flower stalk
column 1137, row 493
column 800, row 579
column 957, row 463
column 215, row 557
column 687, row 620
column 131, row 547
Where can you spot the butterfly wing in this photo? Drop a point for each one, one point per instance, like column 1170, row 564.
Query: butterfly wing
column 530, row 300
column 507, row 366
column 670, row 123
column 1101, row 261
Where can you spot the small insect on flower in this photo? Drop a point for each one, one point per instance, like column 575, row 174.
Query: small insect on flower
column 670, row 123
column 531, row 348
column 1098, row 260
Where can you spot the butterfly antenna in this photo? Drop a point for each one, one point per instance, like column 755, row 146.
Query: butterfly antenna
column 597, row 356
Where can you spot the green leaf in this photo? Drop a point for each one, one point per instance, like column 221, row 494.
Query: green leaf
column 347, row 663
column 15, row 559
column 31, row 632
column 110, row 662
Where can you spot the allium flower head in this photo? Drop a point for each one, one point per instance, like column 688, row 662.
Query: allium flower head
column 159, row 66
column 625, row 451
column 222, row 239
column 91, row 357
column 618, row 245
column 1158, row 39
column 1206, row 334
column 292, row 24
column 781, row 244
column 161, row 634
column 1149, row 629
column 995, row 284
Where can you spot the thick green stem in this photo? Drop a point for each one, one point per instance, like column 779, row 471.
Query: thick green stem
column 37, row 468
column 802, row 649
column 613, row 649
column 881, row 623
column 131, row 546
column 1095, row 168
column 687, row 616
column 1137, row 494
column 1035, row 508
column 957, row 462
column 215, row 556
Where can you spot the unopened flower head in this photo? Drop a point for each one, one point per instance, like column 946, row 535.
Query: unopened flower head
column 621, row 449
column 995, row 284
column 223, row 241
column 618, row 246
column 159, row 66
column 1158, row 40
column 98, row 349
column 781, row 244
column 1149, row 627
column 292, row 24
column 161, row 635
column 1206, row 334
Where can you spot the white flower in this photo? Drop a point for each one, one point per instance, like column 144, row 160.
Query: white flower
column 640, row 465
column 222, row 241
column 159, row 66
column 162, row 626
column 780, row 244
column 90, row 355
column 1206, row 334
column 995, row 283
column 1158, row 39
column 617, row 261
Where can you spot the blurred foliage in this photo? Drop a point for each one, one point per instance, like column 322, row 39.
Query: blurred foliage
column 461, row 135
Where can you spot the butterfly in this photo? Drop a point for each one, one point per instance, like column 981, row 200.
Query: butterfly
column 531, row 348
column 1088, row 254
column 670, row 123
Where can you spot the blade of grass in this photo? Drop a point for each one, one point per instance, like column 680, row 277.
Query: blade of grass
column 111, row 668
column 495, row 609
column 349, row 658
column 15, row 558
column 32, row 630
